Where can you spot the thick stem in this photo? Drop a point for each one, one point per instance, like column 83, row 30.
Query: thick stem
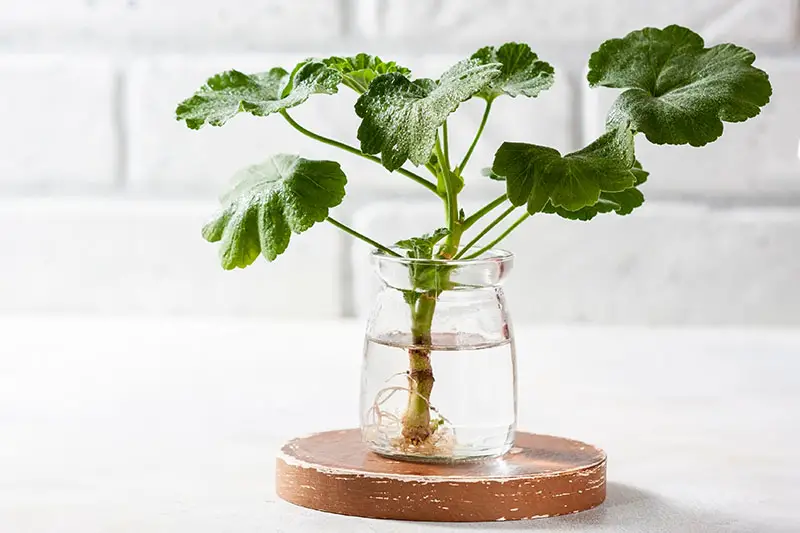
column 355, row 151
column 417, row 418
column 417, row 426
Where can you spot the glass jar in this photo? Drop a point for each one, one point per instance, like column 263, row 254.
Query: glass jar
column 438, row 379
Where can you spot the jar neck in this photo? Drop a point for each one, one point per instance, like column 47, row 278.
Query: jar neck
column 437, row 276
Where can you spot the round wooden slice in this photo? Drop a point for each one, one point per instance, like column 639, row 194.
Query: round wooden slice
column 542, row 476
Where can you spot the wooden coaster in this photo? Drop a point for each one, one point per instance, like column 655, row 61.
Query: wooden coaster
column 542, row 476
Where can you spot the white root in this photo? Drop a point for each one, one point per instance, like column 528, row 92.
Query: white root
column 388, row 425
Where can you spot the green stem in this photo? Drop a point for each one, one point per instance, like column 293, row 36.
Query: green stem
column 432, row 169
column 446, row 143
column 485, row 117
column 362, row 237
column 485, row 230
column 480, row 213
column 451, row 206
column 353, row 150
column 502, row 236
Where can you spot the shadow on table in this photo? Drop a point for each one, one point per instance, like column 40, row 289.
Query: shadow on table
column 628, row 508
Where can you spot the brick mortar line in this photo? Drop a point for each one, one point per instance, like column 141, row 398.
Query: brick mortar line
column 382, row 14
column 347, row 283
column 347, row 25
column 578, row 108
column 796, row 15
column 573, row 55
column 356, row 201
column 120, row 127
column 719, row 23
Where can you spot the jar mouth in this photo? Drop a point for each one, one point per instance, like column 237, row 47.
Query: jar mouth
column 421, row 275
column 489, row 258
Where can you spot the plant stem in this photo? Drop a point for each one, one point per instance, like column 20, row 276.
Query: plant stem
column 446, row 143
column 477, row 215
column 502, row 236
column 485, row 117
column 417, row 418
column 353, row 150
column 485, row 230
column 417, row 427
column 362, row 237
column 451, row 206
column 432, row 169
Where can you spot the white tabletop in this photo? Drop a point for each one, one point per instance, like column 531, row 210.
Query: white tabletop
column 132, row 425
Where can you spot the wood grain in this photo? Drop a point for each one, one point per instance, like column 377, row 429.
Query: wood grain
column 541, row 476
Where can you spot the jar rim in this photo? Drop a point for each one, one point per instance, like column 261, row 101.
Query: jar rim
column 490, row 257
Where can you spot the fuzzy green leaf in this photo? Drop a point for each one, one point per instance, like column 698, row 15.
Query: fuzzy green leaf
column 678, row 91
column 401, row 117
column 229, row 93
column 422, row 247
column 358, row 71
column 536, row 175
column 521, row 73
column 424, row 276
column 268, row 202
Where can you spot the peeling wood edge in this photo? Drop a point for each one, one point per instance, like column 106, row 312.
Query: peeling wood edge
column 341, row 476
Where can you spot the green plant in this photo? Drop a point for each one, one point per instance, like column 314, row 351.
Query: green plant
column 675, row 91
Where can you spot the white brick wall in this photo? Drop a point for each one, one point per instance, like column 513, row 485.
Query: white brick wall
column 583, row 21
column 102, row 186
column 208, row 25
column 58, row 123
column 107, row 256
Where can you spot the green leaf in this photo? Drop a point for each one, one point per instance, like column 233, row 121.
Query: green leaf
column 268, row 202
column 521, row 74
column 640, row 173
column 410, row 296
column 621, row 203
column 358, row 71
column 457, row 180
column 429, row 275
column 536, row 175
column 401, row 117
column 422, row 247
column 424, row 276
column 229, row 93
column 678, row 91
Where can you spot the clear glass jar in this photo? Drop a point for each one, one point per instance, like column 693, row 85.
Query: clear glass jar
column 438, row 379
